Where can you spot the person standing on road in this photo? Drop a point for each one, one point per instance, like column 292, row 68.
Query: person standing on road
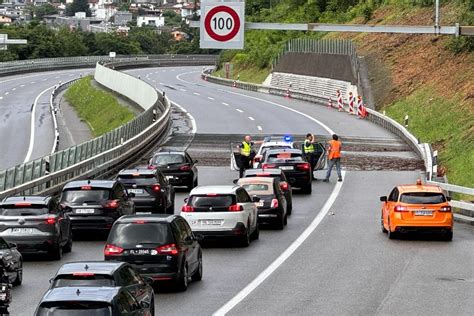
column 246, row 154
column 334, row 156
column 308, row 150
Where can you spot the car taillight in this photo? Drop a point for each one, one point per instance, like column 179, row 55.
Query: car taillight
column 268, row 166
column 235, row 208
column 23, row 204
column 399, row 208
column 303, row 166
column 284, row 186
column 156, row 187
column 111, row 250
column 112, row 204
column 51, row 220
column 168, row 250
column 274, row 203
column 187, row 208
column 151, row 167
column 84, row 274
column 445, row 209
column 185, row 168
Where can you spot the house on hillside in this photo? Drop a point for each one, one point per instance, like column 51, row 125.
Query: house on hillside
column 122, row 18
column 151, row 20
column 5, row 19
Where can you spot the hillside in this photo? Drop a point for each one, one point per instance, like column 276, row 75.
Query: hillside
column 429, row 78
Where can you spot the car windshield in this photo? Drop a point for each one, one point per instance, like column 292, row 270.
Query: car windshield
column 285, row 157
column 85, row 196
column 168, row 159
column 12, row 210
column 128, row 235
column 216, row 201
column 422, row 198
column 73, row 308
column 258, row 188
column 144, row 179
column 83, row 280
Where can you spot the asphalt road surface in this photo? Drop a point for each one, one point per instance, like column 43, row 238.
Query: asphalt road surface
column 345, row 266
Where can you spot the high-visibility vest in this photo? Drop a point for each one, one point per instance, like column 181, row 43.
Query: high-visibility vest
column 245, row 149
column 334, row 149
column 308, row 149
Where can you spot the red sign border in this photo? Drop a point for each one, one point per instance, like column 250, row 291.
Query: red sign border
column 214, row 35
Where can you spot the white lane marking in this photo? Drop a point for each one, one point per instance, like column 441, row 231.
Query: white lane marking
column 161, row 83
column 195, row 93
column 226, row 104
column 45, row 79
column 239, row 110
column 32, row 124
column 251, row 118
column 184, row 90
column 1, row 98
column 7, row 93
column 186, row 73
column 33, row 82
column 191, row 118
column 13, row 89
column 330, row 131
column 211, row 98
column 285, row 255
column 57, row 77
column 259, row 127
column 21, row 86
column 33, row 76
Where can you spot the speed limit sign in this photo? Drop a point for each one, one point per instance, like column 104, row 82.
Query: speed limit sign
column 222, row 25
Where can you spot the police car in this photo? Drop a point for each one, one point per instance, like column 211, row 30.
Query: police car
column 272, row 142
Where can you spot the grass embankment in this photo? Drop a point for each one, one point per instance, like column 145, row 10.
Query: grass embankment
column 247, row 74
column 100, row 109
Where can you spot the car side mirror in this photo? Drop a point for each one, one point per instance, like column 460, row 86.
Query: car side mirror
column 255, row 199
column 448, row 198
column 235, row 181
column 188, row 239
column 131, row 195
column 383, row 199
column 12, row 245
column 51, row 281
column 186, row 200
column 149, row 280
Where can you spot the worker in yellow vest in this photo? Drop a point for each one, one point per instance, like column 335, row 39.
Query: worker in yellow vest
column 247, row 153
column 309, row 151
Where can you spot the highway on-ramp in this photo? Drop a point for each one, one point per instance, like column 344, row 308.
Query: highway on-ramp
column 332, row 259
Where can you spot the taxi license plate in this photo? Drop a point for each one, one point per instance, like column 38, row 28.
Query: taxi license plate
column 423, row 213
column 211, row 222
column 84, row 211
column 286, row 167
column 140, row 252
column 259, row 204
column 135, row 191
column 22, row 230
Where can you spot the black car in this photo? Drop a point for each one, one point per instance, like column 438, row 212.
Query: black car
column 272, row 204
column 157, row 246
column 12, row 261
column 152, row 192
column 178, row 167
column 95, row 204
column 292, row 162
column 91, row 301
column 278, row 174
column 108, row 274
column 36, row 224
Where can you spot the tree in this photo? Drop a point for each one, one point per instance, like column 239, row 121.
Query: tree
column 42, row 10
column 78, row 6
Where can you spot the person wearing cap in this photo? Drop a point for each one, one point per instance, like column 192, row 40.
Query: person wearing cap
column 247, row 153
column 334, row 157
column 308, row 151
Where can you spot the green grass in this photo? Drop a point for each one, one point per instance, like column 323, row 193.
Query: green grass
column 100, row 109
column 247, row 74
column 444, row 124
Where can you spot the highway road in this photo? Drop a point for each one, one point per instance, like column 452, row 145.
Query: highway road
column 332, row 258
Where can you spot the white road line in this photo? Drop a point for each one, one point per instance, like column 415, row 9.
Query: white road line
column 259, row 127
column 13, row 89
column 184, row 90
column 32, row 125
column 251, row 118
column 211, row 98
column 239, row 110
column 34, row 76
column 161, row 83
column 191, row 118
column 1, row 98
column 226, row 104
column 186, row 73
column 195, row 93
column 285, row 255
column 45, row 79
column 330, row 131
column 21, row 86
column 7, row 93
column 33, row 82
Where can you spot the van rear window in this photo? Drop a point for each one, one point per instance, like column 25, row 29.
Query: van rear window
column 128, row 235
column 422, row 198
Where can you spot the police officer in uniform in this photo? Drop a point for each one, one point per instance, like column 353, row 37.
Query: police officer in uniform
column 309, row 151
column 247, row 153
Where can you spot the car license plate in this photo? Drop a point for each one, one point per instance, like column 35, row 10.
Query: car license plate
column 211, row 222
column 135, row 191
column 22, row 230
column 423, row 213
column 84, row 211
column 140, row 252
column 169, row 177
column 259, row 204
column 286, row 167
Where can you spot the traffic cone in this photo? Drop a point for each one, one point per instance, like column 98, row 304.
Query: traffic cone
column 287, row 93
column 340, row 105
column 234, row 84
column 330, row 103
column 351, row 103
column 360, row 107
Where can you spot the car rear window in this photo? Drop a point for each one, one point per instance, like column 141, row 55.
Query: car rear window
column 285, row 157
column 68, row 280
column 128, row 235
column 85, row 196
column 13, row 210
column 74, row 308
column 422, row 198
column 142, row 179
column 266, row 148
column 162, row 160
column 207, row 201
column 258, row 188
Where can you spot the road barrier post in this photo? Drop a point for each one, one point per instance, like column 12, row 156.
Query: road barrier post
column 406, row 121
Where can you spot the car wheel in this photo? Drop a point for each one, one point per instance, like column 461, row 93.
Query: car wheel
column 197, row 276
column 448, row 236
column 256, row 233
column 195, row 184
column 170, row 209
column 245, row 239
column 19, row 275
column 280, row 223
column 56, row 253
column 286, row 219
column 307, row 189
column 391, row 235
column 384, row 230
column 152, row 307
column 182, row 283
column 289, row 208
column 68, row 246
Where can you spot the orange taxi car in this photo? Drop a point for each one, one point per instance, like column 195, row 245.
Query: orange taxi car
column 417, row 207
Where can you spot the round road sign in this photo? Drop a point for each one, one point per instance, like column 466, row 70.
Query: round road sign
column 222, row 23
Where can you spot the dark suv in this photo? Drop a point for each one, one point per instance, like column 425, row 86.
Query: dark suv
column 95, row 204
column 36, row 224
column 151, row 189
column 158, row 246
column 178, row 167
column 100, row 274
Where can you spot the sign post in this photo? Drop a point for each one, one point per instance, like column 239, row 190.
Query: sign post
column 222, row 25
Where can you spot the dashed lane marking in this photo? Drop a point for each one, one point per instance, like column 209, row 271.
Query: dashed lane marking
column 183, row 90
column 195, row 93
column 211, row 98
column 239, row 110
column 259, row 127
column 13, row 89
column 21, row 86
column 7, row 93
column 226, row 104
column 251, row 118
